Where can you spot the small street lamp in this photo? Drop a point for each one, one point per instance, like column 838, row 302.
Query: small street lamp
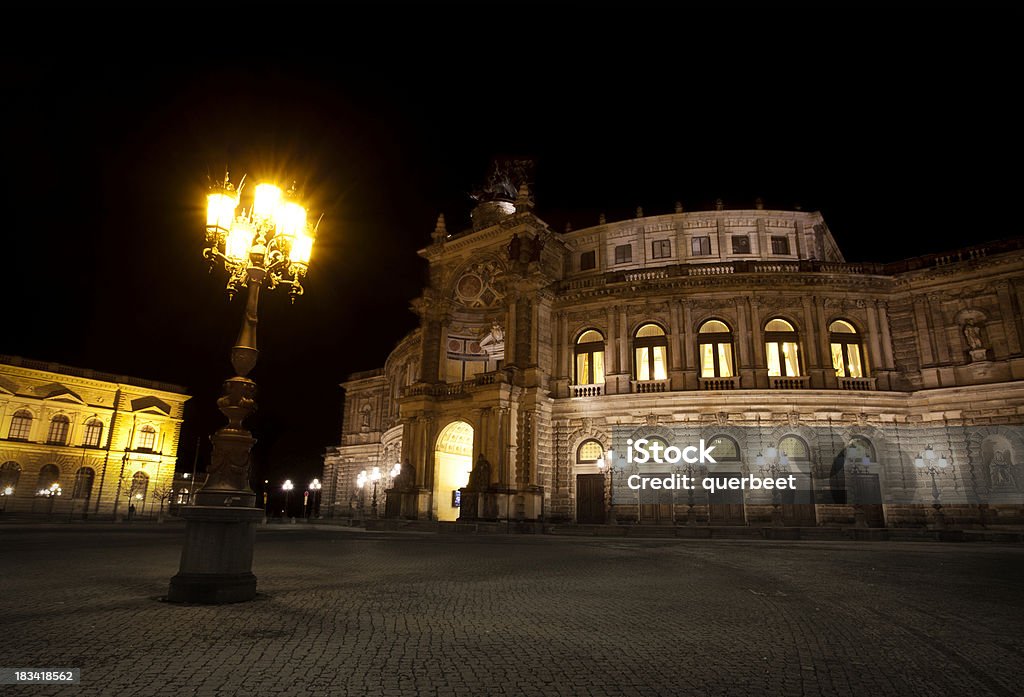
column 287, row 487
column 267, row 244
column 315, row 487
column 375, row 477
column 931, row 464
column 54, row 490
column 773, row 463
column 361, row 480
column 7, row 491
column 607, row 463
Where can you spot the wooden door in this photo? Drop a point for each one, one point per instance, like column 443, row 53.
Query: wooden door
column 798, row 505
column 726, row 507
column 590, row 498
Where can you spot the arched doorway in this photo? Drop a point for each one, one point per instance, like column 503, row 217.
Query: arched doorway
column 453, row 460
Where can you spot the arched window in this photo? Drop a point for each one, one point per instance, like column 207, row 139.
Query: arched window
column 726, row 449
column 650, row 350
column 83, row 483
column 589, row 452
column 147, row 438
column 859, row 450
column 590, row 358
column 140, row 485
column 10, row 472
column 794, row 448
column 21, row 425
column 58, row 433
column 714, row 339
column 781, row 348
column 93, row 433
column 847, row 358
column 49, row 476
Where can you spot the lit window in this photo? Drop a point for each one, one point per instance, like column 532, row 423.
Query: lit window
column 714, row 340
column 780, row 245
column 590, row 358
column 589, row 451
column 58, row 433
column 93, row 433
column 794, row 448
column 846, row 351
column 147, row 438
column 725, row 448
column 661, row 249
column 782, row 349
column 623, row 253
column 650, row 349
column 741, row 244
column 588, row 260
column 21, row 425
column 700, row 246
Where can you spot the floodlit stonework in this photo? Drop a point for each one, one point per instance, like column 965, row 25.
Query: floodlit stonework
column 78, row 443
column 891, row 390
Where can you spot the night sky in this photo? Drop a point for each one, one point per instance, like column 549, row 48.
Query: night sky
column 899, row 134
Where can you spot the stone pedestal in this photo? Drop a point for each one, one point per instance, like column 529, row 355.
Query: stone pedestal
column 216, row 561
column 979, row 355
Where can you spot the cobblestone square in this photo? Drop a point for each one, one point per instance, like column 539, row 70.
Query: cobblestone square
column 347, row 612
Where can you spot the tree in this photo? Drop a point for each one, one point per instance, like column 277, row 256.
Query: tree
column 162, row 493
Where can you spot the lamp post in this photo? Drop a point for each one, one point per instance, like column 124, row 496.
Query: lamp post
column 287, row 488
column 361, row 480
column 607, row 464
column 931, row 464
column 773, row 463
column 375, row 477
column 266, row 499
column 267, row 244
column 54, row 490
column 8, row 491
column 315, row 486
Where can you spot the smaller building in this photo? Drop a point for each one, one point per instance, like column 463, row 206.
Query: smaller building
column 76, row 443
column 183, row 490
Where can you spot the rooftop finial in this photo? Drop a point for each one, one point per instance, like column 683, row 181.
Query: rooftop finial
column 719, row 204
column 679, row 206
column 440, row 231
column 639, row 211
column 524, row 200
column 601, row 220
column 759, row 203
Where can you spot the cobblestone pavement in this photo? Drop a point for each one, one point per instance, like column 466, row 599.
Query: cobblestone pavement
column 345, row 612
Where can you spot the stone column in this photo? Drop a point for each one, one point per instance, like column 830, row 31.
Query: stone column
column 611, row 356
column 1010, row 319
column 883, row 323
column 875, row 357
column 939, row 341
column 924, row 337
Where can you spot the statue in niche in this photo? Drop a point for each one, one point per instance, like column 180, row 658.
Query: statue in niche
column 972, row 333
column 1002, row 470
column 493, row 343
column 365, row 425
column 480, row 477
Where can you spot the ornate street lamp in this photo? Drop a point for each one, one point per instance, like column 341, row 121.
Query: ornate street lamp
column 375, row 476
column 287, row 488
column 773, row 463
column 931, row 464
column 607, row 464
column 315, row 487
column 269, row 243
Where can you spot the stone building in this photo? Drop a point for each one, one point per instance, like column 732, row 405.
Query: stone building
column 81, row 443
column 891, row 391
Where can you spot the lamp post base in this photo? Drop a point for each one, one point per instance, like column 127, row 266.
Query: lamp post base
column 216, row 561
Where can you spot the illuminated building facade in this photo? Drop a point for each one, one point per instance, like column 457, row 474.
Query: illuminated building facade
column 892, row 391
column 77, row 443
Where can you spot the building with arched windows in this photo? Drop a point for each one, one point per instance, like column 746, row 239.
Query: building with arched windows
column 79, row 443
column 891, row 392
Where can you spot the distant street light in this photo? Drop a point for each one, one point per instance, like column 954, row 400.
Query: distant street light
column 269, row 243
column 287, row 486
column 375, row 477
column 315, row 487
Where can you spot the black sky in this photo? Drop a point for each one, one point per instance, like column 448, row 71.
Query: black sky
column 900, row 129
